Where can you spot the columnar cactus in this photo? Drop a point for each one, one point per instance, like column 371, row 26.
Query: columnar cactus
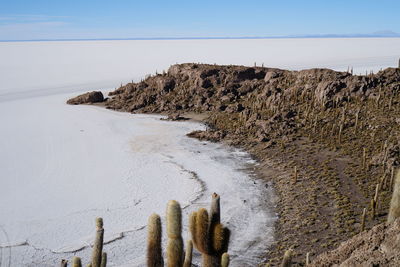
column 154, row 250
column 394, row 210
column 76, row 262
column 363, row 216
column 98, row 243
column 174, row 230
column 209, row 236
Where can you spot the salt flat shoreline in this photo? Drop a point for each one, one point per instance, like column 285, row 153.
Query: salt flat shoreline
column 130, row 137
column 287, row 120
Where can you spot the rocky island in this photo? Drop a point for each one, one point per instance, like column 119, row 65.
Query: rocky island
column 327, row 140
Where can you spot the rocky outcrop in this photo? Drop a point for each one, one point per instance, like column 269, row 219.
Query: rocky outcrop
column 87, row 98
column 268, row 101
column 201, row 87
column 379, row 246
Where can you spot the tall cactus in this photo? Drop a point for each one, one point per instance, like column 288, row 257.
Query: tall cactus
column 76, row 262
column 394, row 210
column 174, row 230
column 209, row 236
column 98, row 243
column 154, row 250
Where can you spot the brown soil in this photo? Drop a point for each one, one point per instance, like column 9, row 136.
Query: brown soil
column 318, row 121
column 379, row 246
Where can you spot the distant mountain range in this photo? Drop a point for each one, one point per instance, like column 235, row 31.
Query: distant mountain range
column 377, row 34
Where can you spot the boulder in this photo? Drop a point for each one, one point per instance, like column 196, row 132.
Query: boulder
column 87, row 98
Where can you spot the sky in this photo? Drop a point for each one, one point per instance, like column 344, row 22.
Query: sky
column 103, row 19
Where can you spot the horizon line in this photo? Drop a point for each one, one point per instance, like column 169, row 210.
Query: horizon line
column 310, row 36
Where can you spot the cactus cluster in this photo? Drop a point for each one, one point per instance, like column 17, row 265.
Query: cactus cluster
column 208, row 236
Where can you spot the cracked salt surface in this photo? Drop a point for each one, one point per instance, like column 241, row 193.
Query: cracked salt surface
column 63, row 166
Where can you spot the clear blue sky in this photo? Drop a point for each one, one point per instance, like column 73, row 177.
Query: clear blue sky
column 55, row 19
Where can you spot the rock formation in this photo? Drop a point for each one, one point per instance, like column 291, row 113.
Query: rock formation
column 87, row 98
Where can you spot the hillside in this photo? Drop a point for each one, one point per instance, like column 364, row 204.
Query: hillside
column 332, row 137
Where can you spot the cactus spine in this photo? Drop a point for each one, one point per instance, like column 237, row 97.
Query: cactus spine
column 394, row 210
column 188, row 254
column 174, row 229
column 154, row 250
column 76, row 262
column 98, row 243
column 209, row 236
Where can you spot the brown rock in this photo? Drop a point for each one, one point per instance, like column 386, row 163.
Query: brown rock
column 87, row 98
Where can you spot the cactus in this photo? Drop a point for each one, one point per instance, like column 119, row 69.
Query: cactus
column 363, row 219
column 340, row 133
column 287, row 259
column 103, row 260
column 76, row 262
column 225, row 260
column 98, row 243
column 188, row 254
column 174, row 229
column 373, row 208
column 209, row 236
column 154, row 250
column 356, row 121
column 364, row 159
column 308, row 258
column 374, row 202
column 391, row 178
column 394, row 210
